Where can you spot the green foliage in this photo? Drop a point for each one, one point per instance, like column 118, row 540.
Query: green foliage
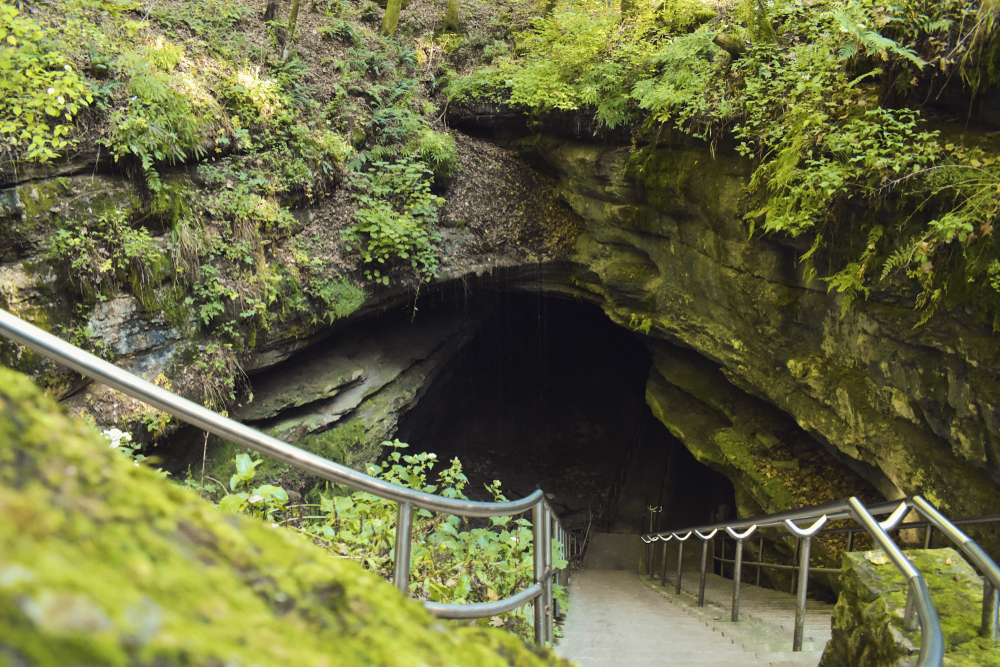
column 830, row 161
column 342, row 30
column 339, row 297
column 212, row 21
column 122, row 442
column 166, row 115
column 396, row 209
column 40, row 90
column 640, row 324
column 438, row 150
column 265, row 501
column 862, row 40
column 97, row 258
column 452, row 559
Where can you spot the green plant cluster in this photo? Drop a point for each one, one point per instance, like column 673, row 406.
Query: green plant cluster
column 816, row 94
column 452, row 560
column 217, row 247
column 397, row 207
column 98, row 258
column 41, row 90
column 400, row 159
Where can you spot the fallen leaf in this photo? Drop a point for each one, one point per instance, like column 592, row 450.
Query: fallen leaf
column 876, row 557
column 949, row 561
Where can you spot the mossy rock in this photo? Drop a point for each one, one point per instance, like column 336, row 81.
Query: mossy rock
column 868, row 619
column 102, row 562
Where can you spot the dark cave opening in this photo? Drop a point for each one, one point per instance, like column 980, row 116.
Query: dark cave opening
column 550, row 394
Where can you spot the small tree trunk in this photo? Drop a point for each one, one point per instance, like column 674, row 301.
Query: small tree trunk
column 730, row 45
column 292, row 18
column 391, row 17
column 451, row 16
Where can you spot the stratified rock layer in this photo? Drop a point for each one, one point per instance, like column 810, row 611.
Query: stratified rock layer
column 914, row 411
column 101, row 562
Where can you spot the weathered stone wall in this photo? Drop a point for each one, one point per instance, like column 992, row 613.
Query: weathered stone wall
column 907, row 410
column 914, row 411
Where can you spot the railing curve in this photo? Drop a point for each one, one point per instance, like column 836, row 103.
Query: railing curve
column 918, row 595
column 545, row 523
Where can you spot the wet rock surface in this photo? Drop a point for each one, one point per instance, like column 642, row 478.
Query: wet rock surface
column 910, row 410
column 868, row 619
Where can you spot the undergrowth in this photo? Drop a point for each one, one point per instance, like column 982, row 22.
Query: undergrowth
column 453, row 559
column 220, row 251
column 823, row 95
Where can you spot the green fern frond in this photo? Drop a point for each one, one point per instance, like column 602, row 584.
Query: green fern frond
column 897, row 260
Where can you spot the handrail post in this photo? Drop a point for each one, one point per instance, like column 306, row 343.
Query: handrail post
column 804, row 546
column 680, row 563
column 663, row 566
column 557, row 532
column 800, row 603
column 760, row 558
column 991, row 598
column 649, row 547
column 798, row 546
column 547, row 568
column 704, row 573
column 737, row 567
column 538, row 537
column 404, row 533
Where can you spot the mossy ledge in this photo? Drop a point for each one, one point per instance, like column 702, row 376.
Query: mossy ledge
column 103, row 563
column 868, row 619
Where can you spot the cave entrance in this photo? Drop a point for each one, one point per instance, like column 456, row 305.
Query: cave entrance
column 551, row 394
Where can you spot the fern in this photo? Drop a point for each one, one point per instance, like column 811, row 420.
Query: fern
column 861, row 39
column 850, row 282
column 897, row 260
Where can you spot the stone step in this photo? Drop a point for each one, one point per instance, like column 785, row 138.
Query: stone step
column 766, row 623
column 614, row 621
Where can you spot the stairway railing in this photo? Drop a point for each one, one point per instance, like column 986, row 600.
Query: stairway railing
column 918, row 595
column 545, row 524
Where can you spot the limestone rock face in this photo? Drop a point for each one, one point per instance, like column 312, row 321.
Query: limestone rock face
column 914, row 411
column 663, row 251
column 868, row 619
column 102, row 562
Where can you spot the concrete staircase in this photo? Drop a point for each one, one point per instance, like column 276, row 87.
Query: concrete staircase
column 618, row 618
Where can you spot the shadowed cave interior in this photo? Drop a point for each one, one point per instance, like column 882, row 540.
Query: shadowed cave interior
column 551, row 394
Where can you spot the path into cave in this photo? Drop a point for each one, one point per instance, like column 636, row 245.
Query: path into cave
column 551, row 394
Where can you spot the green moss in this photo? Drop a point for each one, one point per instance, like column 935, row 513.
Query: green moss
column 868, row 619
column 104, row 563
column 335, row 443
column 738, row 449
column 665, row 174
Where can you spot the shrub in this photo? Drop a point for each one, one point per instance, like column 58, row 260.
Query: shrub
column 40, row 90
column 438, row 150
column 452, row 559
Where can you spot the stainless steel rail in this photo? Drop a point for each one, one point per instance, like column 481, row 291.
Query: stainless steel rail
column 546, row 525
column 918, row 595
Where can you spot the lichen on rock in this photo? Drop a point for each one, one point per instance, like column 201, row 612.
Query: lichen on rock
column 868, row 619
column 102, row 562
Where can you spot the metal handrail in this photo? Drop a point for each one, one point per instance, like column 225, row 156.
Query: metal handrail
column 918, row 596
column 545, row 523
